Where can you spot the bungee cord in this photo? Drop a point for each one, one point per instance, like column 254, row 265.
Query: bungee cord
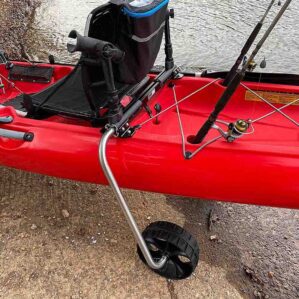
column 179, row 102
column 223, row 134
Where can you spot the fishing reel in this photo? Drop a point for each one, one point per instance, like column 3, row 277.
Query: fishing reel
column 251, row 65
column 235, row 130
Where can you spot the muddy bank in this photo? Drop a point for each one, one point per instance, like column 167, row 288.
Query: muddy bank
column 15, row 19
column 61, row 239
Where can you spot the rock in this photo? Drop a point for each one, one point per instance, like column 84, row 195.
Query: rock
column 51, row 183
column 213, row 238
column 212, row 219
column 75, row 186
column 33, row 275
column 257, row 294
column 93, row 191
column 270, row 274
column 33, row 227
column 65, row 213
column 149, row 218
column 252, row 274
column 113, row 241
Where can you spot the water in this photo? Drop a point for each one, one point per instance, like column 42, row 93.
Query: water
column 206, row 33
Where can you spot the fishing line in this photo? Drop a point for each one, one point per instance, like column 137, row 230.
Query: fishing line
column 278, row 110
column 190, row 155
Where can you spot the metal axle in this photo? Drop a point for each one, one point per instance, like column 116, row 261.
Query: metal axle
column 123, row 204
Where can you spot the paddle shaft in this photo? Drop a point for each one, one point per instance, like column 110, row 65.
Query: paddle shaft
column 235, row 82
column 247, row 46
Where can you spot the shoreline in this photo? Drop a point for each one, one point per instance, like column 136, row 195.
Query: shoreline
column 13, row 36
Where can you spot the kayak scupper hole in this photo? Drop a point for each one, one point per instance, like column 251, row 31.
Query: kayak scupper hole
column 190, row 139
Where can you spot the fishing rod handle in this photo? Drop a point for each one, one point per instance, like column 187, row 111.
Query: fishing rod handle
column 226, row 96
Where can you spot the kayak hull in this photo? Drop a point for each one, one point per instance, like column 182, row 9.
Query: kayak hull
column 251, row 178
column 253, row 170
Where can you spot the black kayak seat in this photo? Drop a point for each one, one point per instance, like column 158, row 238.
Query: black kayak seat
column 136, row 30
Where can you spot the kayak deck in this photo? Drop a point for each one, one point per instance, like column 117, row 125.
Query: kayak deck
column 259, row 168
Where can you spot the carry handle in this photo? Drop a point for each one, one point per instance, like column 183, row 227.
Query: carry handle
column 11, row 134
column 6, row 119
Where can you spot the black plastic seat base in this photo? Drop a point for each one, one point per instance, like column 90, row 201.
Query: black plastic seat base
column 67, row 97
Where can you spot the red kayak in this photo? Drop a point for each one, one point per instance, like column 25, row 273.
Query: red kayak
column 259, row 168
column 230, row 136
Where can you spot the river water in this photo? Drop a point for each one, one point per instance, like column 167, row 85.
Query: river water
column 205, row 33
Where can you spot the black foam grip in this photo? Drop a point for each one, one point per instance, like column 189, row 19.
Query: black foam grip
column 226, row 96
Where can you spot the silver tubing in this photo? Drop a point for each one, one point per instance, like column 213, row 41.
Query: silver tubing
column 180, row 121
column 278, row 110
column 123, row 204
column 12, row 134
column 205, row 145
column 275, row 111
column 6, row 119
column 178, row 103
column 18, row 112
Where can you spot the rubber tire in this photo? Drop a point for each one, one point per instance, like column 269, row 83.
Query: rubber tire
column 173, row 241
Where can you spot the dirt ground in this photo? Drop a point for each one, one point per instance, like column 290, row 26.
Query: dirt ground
column 89, row 252
column 61, row 239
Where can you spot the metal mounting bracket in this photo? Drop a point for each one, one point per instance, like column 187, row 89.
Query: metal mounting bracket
column 156, row 265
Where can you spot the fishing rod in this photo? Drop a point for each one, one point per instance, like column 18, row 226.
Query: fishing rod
column 247, row 45
column 236, row 80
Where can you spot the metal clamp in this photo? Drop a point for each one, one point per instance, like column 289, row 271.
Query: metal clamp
column 156, row 265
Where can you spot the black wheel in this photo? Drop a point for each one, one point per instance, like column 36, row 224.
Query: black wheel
column 178, row 245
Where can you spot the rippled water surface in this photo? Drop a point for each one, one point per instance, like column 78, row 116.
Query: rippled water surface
column 206, row 33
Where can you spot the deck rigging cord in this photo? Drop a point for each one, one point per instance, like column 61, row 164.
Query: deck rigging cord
column 236, row 80
column 224, row 134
